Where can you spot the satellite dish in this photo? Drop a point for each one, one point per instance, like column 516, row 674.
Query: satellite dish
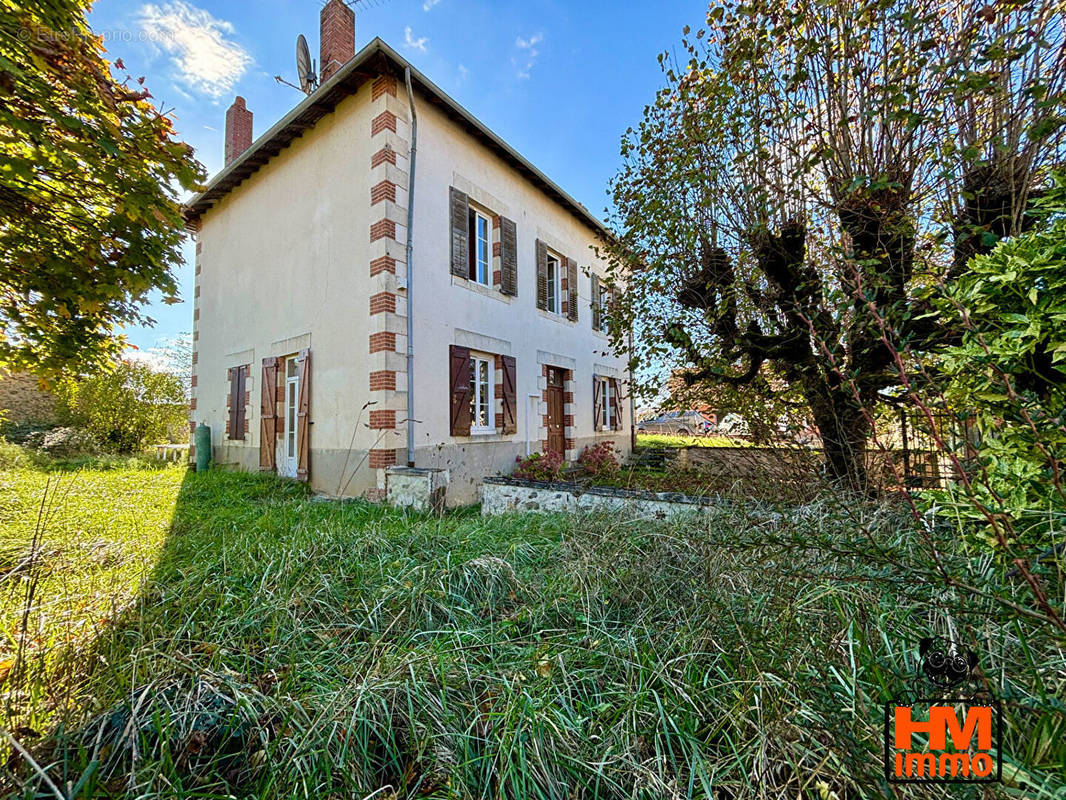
column 305, row 69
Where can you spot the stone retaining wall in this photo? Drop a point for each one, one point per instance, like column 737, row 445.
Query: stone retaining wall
column 776, row 464
column 504, row 495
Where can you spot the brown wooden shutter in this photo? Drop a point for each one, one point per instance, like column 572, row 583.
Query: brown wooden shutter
column 231, row 402
column 303, row 416
column 616, row 403
column 597, row 407
column 237, row 412
column 542, row 275
column 459, row 403
column 510, row 396
column 571, row 287
column 508, row 257
column 460, row 215
column 595, row 302
column 268, row 414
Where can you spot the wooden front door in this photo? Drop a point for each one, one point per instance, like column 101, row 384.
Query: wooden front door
column 556, row 429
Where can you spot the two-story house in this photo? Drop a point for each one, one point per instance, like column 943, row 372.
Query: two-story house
column 381, row 280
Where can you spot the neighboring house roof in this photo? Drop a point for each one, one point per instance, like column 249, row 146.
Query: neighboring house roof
column 374, row 59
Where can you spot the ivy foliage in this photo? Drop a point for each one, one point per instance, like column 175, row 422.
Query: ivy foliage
column 90, row 171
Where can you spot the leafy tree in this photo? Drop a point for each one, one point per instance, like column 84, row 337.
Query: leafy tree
column 175, row 356
column 127, row 408
column 1009, row 369
column 794, row 197
column 90, row 221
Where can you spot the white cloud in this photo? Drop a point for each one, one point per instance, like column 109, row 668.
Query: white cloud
column 411, row 43
column 527, row 55
column 198, row 44
column 463, row 72
column 426, row 6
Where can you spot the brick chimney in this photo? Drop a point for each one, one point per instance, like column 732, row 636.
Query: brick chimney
column 337, row 36
column 238, row 129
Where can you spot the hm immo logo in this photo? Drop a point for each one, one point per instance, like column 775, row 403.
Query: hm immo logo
column 945, row 740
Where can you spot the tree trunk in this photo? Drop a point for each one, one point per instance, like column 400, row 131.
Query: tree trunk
column 843, row 428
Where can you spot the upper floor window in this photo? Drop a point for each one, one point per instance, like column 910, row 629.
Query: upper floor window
column 602, row 297
column 555, row 283
column 484, row 244
column 480, row 246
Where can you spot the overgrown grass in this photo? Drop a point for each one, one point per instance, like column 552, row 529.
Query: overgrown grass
column 285, row 647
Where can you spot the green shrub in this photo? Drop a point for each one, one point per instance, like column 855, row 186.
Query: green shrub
column 126, row 409
column 1009, row 373
column 14, row 457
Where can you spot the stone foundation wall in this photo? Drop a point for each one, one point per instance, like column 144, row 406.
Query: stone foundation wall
column 505, row 495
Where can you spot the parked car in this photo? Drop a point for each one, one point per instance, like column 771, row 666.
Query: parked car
column 677, row 423
column 733, row 425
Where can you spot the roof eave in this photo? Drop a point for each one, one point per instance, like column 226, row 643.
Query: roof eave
column 326, row 97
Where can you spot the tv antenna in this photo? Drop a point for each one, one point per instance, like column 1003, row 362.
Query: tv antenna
column 305, row 68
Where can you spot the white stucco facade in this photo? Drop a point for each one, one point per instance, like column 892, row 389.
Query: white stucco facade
column 307, row 255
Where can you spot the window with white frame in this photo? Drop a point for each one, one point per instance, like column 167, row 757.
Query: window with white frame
column 482, row 383
column 601, row 298
column 606, row 400
column 555, row 284
column 480, row 246
column 292, row 401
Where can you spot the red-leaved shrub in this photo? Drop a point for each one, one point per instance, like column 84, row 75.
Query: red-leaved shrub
column 539, row 466
column 600, row 459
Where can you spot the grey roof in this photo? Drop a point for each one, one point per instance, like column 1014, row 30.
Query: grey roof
column 374, row 59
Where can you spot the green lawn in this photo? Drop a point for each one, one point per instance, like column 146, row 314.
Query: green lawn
column 225, row 635
column 663, row 440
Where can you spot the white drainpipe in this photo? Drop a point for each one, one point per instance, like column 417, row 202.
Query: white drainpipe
column 410, row 273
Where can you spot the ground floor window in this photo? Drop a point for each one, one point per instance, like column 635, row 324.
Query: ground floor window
column 606, row 399
column 482, row 383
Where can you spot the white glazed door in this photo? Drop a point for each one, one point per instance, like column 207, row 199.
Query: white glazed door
column 289, row 456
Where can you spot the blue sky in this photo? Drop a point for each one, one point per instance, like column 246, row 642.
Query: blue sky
column 560, row 81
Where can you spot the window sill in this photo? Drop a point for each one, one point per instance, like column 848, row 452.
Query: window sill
column 480, row 288
column 556, row 317
column 486, row 437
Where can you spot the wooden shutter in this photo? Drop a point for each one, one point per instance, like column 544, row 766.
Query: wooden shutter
column 616, row 406
column 460, row 215
column 542, row 275
column 237, row 412
column 233, row 374
column 508, row 257
column 510, row 396
column 303, row 416
column 595, row 302
column 597, row 405
column 571, row 288
column 268, row 414
column 459, row 402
